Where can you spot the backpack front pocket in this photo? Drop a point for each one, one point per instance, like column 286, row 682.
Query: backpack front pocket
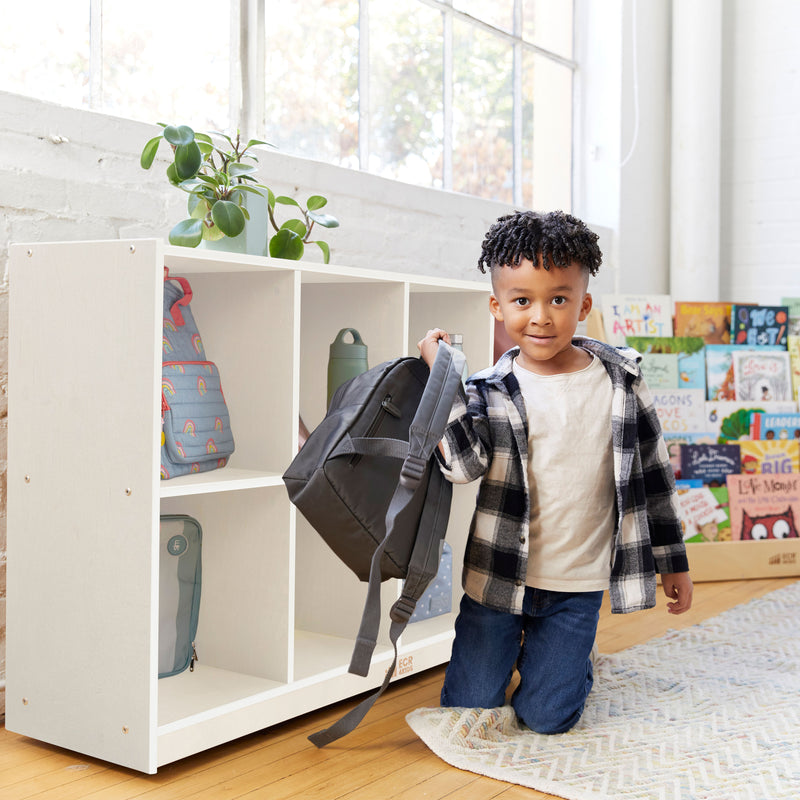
column 195, row 420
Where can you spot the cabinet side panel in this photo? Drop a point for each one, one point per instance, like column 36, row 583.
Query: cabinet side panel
column 84, row 358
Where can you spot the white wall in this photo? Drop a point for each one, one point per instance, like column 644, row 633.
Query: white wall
column 760, row 208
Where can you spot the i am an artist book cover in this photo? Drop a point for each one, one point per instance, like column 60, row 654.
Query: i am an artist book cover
column 764, row 506
column 636, row 315
column 710, row 321
column 759, row 325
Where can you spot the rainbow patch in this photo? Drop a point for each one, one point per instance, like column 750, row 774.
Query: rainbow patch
column 179, row 448
column 164, row 473
column 169, row 325
column 167, row 387
column 188, row 427
column 178, row 368
column 218, row 426
column 211, row 446
column 166, row 346
column 195, row 468
column 197, row 343
column 201, row 386
column 221, row 462
column 208, row 368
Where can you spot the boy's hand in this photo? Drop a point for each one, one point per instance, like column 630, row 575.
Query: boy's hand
column 430, row 344
column 678, row 585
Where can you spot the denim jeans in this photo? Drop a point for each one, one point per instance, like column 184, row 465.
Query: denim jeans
column 550, row 643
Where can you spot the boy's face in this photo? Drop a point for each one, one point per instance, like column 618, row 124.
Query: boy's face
column 540, row 310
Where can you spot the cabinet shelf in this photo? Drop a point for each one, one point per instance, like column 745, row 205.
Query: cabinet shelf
column 279, row 613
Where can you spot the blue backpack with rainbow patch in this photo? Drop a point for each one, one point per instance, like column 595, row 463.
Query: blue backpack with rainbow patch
column 195, row 424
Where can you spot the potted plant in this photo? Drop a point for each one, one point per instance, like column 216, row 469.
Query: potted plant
column 219, row 176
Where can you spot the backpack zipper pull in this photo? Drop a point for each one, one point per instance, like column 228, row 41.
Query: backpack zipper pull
column 194, row 658
column 390, row 407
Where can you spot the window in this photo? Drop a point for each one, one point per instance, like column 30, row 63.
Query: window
column 472, row 96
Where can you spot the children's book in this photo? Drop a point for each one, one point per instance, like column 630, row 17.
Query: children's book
column 680, row 410
column 759, row 325
column 720, row 383
column 762, row 376
column 710, row 321
column 701, row 514
column 793, row 348
column 689, row 349
column 660, row 370
column 793, row 304
column 675, row 442
column 729, row 420
column 636, row 315
column 710, row 463
column 764, row 506
column 775, row 426
column 770, row 456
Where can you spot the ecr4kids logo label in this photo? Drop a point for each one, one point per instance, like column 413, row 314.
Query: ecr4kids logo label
column 405, row 666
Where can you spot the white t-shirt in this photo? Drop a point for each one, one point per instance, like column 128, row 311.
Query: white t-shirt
column 571, row 478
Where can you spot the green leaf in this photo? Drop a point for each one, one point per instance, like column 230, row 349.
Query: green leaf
column 238, row 169
column 198, row 207
column 287, row 201
column 286, row 244
column 253, row 142
column 172, row 175
column 178, row 135
column 270, row 198
column 188, row 159
column 149, row 152
column 316, row 201
column 326, row 220
column 326, row 251
column 228, row 217
column 187, row 233
column 245, row 187
column 296, row 225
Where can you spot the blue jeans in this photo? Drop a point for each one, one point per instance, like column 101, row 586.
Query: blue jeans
column 549, row 642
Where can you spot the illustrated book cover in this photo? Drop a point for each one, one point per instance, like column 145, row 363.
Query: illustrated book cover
column 762, row 376
column 710, row 463
column 764, row 506
column 729, row 420
column 660, row 370
column 770, row 456
column 759, row 325
column 775, row 426
column 636, row 315
column 680, row 410
column 689, row 349
column 702, row 515
column 675, row 442
column 710, row 321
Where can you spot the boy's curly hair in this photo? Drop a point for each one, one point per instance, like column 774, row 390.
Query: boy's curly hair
column 557, row 237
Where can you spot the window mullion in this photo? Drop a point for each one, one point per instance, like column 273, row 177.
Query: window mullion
column 363, row 84
column 517, row 110
column 447, row 100
column 96, row 54
column 247, row 101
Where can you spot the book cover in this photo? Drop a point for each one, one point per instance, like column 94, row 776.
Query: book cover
column 793, row 304
column 759, row 325
column 763, row 506
column 770, row 456
column 701, row 514
column 793, row 348
column 680, row 410
column 660, row 370
column 762, row 376
column 675, row 442
column 775, row 426
column 710, row 463
column 636, row 315
column 720, row 383
column 729, row 420
column 710, row 321
column 689, row 349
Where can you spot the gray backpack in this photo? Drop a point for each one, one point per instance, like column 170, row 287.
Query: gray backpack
column 367, row 481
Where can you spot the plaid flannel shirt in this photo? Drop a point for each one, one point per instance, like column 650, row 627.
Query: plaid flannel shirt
column 487, row 438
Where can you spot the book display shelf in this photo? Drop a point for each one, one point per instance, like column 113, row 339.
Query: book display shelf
column 279, row 613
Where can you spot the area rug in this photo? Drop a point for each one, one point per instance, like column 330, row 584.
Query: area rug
column 711, row 712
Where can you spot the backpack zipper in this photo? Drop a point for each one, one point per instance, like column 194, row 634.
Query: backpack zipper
column 387, row 407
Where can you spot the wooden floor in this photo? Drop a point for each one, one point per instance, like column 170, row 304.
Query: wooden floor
column 382, row 759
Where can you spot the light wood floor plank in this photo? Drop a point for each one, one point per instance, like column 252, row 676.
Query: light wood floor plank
column 381, row 759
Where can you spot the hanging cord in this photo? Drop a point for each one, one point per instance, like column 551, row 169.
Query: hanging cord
column 635, row 56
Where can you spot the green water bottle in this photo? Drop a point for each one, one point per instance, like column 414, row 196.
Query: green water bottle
column 346, row 360
column 457, row 343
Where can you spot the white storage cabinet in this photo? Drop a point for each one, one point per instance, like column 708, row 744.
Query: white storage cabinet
column 279, row 612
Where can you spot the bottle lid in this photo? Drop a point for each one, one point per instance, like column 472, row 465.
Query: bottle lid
column 456, row 338
column 341, row 349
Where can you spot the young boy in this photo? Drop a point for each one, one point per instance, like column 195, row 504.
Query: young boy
column 576, row 493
